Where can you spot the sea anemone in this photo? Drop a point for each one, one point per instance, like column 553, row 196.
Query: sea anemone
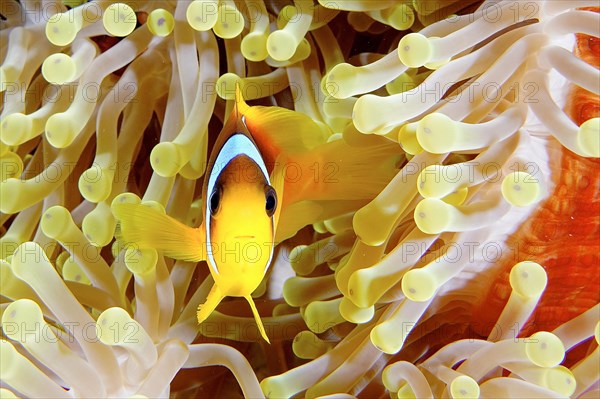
column 464, row 264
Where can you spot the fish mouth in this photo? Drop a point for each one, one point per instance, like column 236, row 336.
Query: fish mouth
column 244, row 237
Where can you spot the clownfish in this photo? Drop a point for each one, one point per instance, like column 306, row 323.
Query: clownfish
column 243, row 197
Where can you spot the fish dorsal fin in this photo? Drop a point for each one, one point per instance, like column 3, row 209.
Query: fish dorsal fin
column 279, row 130
column 240, row 105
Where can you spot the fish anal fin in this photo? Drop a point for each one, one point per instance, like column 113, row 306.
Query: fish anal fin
column 259, row 323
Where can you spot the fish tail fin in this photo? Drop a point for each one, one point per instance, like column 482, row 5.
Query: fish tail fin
column 146, row 227
column 259, row 323
column 338, row 171
column 215, row 296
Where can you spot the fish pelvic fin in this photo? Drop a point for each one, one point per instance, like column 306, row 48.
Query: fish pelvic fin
column 215, row 296
column 259, row 323
column 146, row 227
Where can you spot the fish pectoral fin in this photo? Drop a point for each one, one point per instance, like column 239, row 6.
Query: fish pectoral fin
column 259, row 323
column 145, row 227
column 215, row 296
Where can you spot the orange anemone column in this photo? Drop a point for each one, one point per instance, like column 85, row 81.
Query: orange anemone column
column 564, row 234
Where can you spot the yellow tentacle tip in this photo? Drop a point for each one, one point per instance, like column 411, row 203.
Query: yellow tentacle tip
column 589, row 137
column 280, row 45
column 202, row 14
column 402, row 83
column 229, row 22
column 464, row 387
column 545, row 349
column 99, row 227
column 407, row 138
column 419, row 285
column 457, row 197
column 340, row 81
column 119, row 19
column 71, row 271
column 400, row 17
column 560, row 380
column 166, row 159
column 95, row 183
column 254, row 46
column 161, row 22
column 141, row 261
column 55, row 221
column 58, row 68
column 229, row 86
column 25, row 313
column 406, row 392
column 520, row 189
column 433, row 216
column 61, row 29
column 112, row 328
column 60, row 131
column 387, row 338
column 437, row 133
column 415, row 50
column 125, row 198
column 528, row 279
column 11, row 166
column 307, row 345
column 355, row 314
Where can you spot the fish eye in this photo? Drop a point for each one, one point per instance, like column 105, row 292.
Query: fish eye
column 215, row 201
column 270, row 201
